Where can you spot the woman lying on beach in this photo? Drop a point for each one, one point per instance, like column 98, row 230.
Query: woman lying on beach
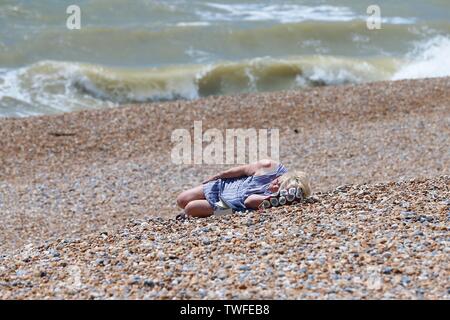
column 246, row 187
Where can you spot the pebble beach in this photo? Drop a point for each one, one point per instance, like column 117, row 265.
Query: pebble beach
column 87, row 200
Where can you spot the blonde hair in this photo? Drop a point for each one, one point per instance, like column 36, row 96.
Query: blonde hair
column 296, row 179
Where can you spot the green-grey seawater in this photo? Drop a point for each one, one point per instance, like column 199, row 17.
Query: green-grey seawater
column 143, row 50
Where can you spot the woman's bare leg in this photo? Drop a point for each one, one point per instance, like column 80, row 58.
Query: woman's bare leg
column 198, row 208
column 190, row 195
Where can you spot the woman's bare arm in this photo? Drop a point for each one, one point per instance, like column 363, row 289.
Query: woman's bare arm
column 245, row 170
column 253, row 201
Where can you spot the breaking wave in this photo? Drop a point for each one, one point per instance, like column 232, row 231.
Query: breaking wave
column 428, row 59
column 53, row 87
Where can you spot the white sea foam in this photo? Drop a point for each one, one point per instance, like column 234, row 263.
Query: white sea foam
column 428, row 59
column 287, row 13
column 44, row 87
column 193, row 24
column 397, row 20
column 284, row 13
column 330, row 77
column 335, row 71
column 199, row 56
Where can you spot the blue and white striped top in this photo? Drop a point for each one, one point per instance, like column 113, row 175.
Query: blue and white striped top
column 234, row 191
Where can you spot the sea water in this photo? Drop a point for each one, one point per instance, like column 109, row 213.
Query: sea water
column 145, row 50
